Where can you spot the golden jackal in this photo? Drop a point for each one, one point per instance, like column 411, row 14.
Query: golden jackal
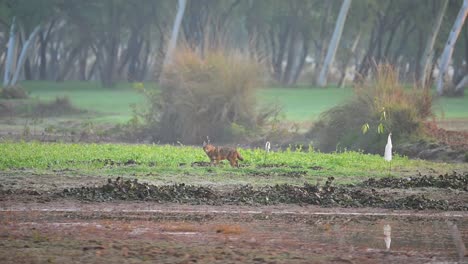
column 222, row 153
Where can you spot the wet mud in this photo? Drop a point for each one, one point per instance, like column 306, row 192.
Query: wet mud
column 88, row 219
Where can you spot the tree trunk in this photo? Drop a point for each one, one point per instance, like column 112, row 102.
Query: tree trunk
column 69, row 63
column 461, row 85
column 44, row 40
column 347, row 59
column 291, row 56
column 23, row 55
column 278, row 53
column 175, row 33
column 9, row 56
column 448, row 50
column 428, row 51
column 42, row 55
column 322, row 80
column 302, row 57
column 82, row 65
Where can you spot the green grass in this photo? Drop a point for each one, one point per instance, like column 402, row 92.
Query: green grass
column 168, row 164
column 107, row 105
column 451, row 107
column 304, row 104
column 299, row 104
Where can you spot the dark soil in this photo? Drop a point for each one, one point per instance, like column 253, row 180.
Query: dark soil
column 360, row 195
column 453, row 181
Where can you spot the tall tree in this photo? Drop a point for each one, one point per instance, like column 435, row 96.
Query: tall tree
column 322, row 80
column 428, row 51
column 10, row 54
column 449, row 47
column 175, row 32
column 22, row 58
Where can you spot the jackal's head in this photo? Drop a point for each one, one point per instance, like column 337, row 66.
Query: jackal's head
column 207, row 147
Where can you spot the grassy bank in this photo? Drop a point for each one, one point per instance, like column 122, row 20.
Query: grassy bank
column 169, row 164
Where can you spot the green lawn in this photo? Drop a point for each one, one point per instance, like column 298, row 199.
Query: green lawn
column 110, row 105
column 304, row 104
column 299, row 104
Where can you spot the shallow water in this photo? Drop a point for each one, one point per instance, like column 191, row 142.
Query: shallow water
column 418, row 236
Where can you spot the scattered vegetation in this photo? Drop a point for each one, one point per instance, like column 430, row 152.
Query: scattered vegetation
column 380, row 107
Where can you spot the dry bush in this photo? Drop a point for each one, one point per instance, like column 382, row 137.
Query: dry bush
column 213, row 96
column 14, row 92
column 60, row 106
column 405, row 110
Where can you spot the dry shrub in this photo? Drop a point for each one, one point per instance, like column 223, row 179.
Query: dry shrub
column 405, row 110
column 60, row 106
column 213, row 96
column 14, row 92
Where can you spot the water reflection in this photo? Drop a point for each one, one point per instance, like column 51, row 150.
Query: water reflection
column 457, row 240
column 387, row 231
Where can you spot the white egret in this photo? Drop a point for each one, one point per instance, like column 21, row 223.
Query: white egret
column 267, row 150
column 388, row 151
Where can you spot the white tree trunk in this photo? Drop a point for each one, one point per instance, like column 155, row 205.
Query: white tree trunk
column 322, row 80
column 462, row 84
column 175, row 33
column 23, row 55
column 9, row 57
column 448, row 50
column 428, row 52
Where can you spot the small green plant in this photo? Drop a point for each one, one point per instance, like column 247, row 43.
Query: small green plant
column 380, row 126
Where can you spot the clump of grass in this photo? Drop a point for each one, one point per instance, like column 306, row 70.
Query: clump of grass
column 205, row 96
column 382, row 102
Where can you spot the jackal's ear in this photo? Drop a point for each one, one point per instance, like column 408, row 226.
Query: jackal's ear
column 208, row 138
column 204, row 143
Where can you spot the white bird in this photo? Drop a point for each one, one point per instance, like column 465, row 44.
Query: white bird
column 387, row 230
column 267, row 146
column 388, row 148
column 267, row 150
